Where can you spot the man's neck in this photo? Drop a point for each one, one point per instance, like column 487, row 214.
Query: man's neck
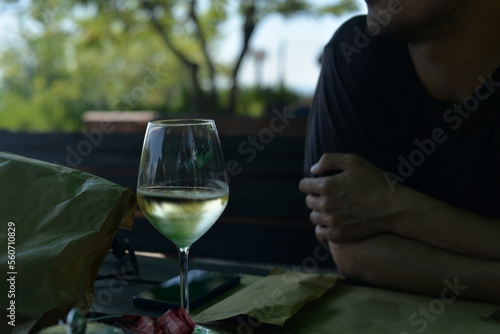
column 450, row 66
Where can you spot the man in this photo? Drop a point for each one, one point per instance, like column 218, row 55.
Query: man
column 403, row 147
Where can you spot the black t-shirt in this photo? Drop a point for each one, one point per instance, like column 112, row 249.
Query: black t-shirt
column 369, row 101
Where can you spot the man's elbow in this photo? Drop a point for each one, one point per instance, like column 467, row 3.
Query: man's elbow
column 343, row 259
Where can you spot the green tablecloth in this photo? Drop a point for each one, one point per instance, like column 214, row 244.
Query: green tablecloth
column 343, row 309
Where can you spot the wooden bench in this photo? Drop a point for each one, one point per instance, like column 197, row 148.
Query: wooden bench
column 266, row 219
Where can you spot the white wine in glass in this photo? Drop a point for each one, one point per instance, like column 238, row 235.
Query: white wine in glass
column 183, row 215
column 182, row 187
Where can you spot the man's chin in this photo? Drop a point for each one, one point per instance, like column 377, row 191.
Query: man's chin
column 374, row 25
column 388, row 28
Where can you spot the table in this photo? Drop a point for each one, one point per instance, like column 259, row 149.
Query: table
column 114, row 293
column 343, row 309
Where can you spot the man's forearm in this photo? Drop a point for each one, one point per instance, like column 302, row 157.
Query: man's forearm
column 441, row 225
column 358, row 203
column 392, row 261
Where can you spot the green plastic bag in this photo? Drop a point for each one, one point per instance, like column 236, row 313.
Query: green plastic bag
column 57, row 225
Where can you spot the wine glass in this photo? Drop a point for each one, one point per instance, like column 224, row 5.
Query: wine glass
column 182, row 187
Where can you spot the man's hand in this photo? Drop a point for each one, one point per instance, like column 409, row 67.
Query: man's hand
column 356, row 203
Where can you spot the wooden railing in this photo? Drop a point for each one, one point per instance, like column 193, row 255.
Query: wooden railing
column 266, row 219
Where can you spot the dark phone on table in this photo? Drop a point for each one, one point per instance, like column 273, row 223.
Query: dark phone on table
column 203, row 286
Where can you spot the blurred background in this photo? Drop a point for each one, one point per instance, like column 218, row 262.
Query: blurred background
column 59, row 59
column 80, row 79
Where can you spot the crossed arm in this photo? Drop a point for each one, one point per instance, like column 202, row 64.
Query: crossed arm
column 399, row 238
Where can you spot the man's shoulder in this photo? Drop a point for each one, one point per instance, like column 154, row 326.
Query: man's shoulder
column 350, row 30
column 349, row 27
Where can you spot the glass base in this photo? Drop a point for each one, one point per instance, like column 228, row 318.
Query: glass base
column 203, row 330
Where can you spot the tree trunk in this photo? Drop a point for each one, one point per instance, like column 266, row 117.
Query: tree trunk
column 248, row 30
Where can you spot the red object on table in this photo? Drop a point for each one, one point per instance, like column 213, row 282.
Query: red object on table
column 172, row 322
column 187, row 319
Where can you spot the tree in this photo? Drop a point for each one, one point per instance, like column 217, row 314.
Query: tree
column 188, row 20
column 78, row 43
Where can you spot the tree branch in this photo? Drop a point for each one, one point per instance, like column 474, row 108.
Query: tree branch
column 201, row 37
column 248, row 29
column 193, row 67
column 149, row 7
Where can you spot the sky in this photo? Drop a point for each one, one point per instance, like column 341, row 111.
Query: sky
column 291, row 47
column 7, row 24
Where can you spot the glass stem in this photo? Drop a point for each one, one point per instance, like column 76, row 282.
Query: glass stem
column 183, row 258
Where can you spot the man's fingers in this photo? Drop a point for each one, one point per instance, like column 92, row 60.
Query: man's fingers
column 326, row 185
column 322, row 233
column 341, row 228
column 319, row 218
column 319, row 203
column 333, row 161
column 309, row 185
column 328, row 204
column 329, row 220
column 344, row 233
column 351, row 232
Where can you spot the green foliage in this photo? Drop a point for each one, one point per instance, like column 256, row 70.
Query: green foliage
column 341, row 7
column 42, row 112
column 286, row 8
column 258, row 101
column 80, row 55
